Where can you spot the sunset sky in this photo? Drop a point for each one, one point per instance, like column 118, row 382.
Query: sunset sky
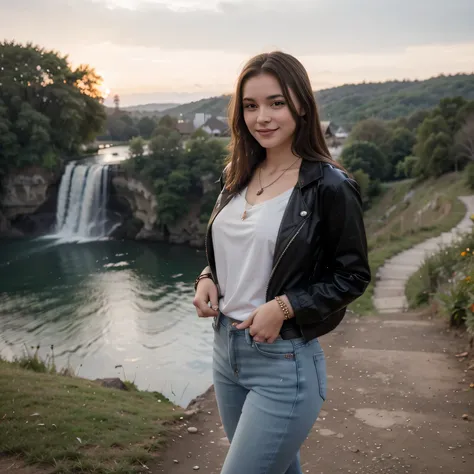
column 182, row 50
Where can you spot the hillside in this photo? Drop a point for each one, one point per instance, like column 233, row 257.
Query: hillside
column 407, row 213
column 147, row 108
column 345, row 105
column 350, row 103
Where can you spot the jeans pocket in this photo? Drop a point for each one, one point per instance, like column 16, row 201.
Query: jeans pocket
column 320, row 365
column 280, row 349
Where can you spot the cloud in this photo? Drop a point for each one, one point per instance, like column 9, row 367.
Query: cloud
column 302, row 27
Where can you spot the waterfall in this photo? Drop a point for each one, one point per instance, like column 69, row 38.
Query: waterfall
column 82, row 200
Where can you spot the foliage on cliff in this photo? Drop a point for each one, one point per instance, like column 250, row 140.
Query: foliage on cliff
column 47, row 108
column 180, row 172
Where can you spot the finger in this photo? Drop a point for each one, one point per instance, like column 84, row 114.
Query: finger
column 199, row 312
column 203, row 307
column 213, row 298
column 247, row 323
column 271, row 340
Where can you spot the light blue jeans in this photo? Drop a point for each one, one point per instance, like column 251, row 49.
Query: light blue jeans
column 268, row 395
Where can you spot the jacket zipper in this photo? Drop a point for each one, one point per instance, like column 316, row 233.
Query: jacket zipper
column 281, row 256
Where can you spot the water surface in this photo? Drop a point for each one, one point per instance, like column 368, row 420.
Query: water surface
column 108, row 303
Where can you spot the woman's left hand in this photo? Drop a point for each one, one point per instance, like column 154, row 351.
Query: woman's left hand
column 265, row 322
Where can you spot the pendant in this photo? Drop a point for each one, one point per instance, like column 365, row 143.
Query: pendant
column 244, row 215
column 260, row 191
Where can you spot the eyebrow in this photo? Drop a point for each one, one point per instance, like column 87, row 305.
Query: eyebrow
column 270, row 97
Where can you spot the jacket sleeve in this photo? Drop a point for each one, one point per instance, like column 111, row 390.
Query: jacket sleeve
column 347, row 273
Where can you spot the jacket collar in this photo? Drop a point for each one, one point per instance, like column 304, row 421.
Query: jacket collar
column 310, row 171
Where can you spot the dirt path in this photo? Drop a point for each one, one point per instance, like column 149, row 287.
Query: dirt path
column 396, row 399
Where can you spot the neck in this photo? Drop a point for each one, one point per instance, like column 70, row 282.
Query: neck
column 279, row 158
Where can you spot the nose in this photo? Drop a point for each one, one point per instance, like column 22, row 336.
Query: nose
column 263, row 116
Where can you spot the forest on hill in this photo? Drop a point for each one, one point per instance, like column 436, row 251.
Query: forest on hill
column 348, row 104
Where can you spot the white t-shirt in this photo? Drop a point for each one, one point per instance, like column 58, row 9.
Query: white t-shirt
column 244, row 251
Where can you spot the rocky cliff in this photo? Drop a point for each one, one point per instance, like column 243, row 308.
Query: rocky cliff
column 135, row 201
column 28, row 201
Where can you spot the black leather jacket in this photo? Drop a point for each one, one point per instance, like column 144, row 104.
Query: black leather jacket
column 320, row 261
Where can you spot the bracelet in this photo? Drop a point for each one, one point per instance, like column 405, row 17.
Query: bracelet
column 283, row 307
column 201, row 277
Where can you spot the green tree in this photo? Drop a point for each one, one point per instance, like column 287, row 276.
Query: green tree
column 374, row 131
column 136, row 147
column 414, row 120
column 168, row 122
column 465, row 113
column 145, row 126
column 402, row 142
column 200, row 134
column 9, row 146
column 407, row 168
column 433, row 143
column 180, row 175
column 367, row 157
column 449, row 109
column 464, row 142
column 363, row 181
column 49, row 108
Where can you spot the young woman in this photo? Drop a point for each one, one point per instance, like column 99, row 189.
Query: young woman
column 287, row 252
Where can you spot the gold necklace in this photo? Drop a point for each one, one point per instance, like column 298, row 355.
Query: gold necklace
column 244, row 214
column 262, row 188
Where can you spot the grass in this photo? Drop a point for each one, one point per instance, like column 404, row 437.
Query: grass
column 394, row 225
column 74, row 425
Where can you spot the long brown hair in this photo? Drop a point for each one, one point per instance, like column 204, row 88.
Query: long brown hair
column 308, row 141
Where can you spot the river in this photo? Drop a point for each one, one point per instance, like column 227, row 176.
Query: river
column 108, row 308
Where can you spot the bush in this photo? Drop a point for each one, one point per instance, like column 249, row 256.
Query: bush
column 457, row 299
column 469, row 175
column 448, row 277
column 365, row 156
column 407, row 168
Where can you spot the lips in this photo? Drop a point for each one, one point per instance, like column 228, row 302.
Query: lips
column 266, row 132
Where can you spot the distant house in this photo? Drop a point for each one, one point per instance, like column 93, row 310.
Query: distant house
column 341, row 133
column 200, row 119
column 185, row 129
column 215, row 127
column 326, row 128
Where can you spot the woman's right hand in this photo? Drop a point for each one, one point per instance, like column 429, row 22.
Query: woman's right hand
column 206, row 292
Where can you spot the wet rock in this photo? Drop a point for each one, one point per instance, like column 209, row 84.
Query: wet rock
column 192, row 429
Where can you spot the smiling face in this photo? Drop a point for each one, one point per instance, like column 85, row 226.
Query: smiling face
column 266, row 113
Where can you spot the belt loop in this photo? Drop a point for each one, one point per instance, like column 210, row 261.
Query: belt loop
column 248, row 337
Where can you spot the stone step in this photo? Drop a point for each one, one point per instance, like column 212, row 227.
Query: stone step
column 389, row 292
column 392, row 302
